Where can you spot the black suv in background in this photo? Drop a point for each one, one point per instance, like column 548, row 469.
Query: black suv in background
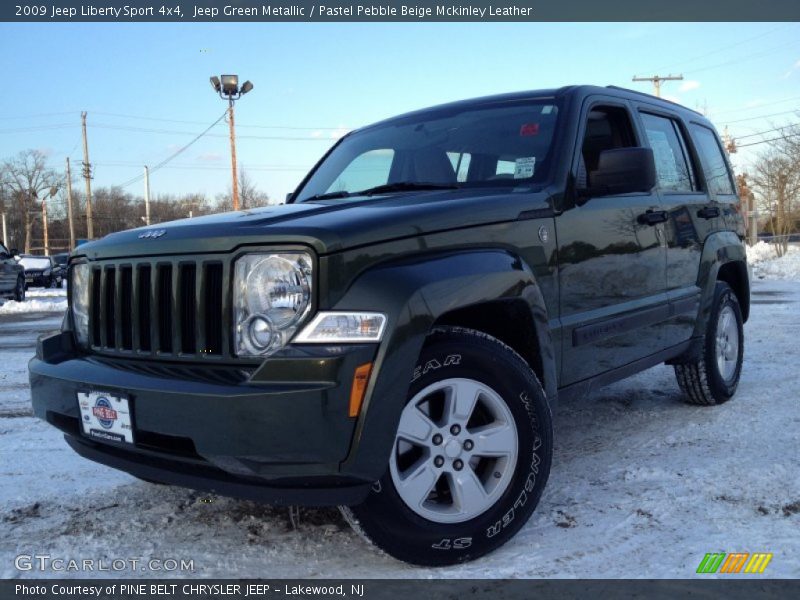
column 392, row 340
column 12, row 275
column 42, row 271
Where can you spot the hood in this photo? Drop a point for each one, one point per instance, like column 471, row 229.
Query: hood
column 326, row 226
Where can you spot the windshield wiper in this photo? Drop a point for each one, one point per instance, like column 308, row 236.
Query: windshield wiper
column 405, row 186
column 328, row 196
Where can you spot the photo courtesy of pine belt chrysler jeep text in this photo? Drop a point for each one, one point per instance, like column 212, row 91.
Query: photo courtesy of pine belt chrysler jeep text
column 392, row 339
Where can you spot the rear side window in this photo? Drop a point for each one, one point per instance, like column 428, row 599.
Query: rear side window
column 718, row 177
column 673, row 166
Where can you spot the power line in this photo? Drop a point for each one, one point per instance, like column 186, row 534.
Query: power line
column 166, row 120
column 176, row 153
column 749, row 135
column 782, row 137
column 786, row 112
column 40, row 115
column 713, row 52
column 743, row 58
column 176, row 132
column 38, row 128
column 742, row 109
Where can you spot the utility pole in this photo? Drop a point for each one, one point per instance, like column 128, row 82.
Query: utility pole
column 657, row 80
column 233, row 155
column 87, row 176
column 5, row 231
column 69, row 209
column 146, row 195
column 44, row 226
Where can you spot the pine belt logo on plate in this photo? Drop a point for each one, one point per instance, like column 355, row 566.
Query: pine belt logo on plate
column 105, row 416
column 104, row 413
column 734, row 562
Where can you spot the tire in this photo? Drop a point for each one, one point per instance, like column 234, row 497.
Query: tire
column 19, row 289
column 713, row 378
column 454, row 522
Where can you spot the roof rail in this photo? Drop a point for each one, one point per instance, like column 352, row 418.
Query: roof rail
column 624, row 89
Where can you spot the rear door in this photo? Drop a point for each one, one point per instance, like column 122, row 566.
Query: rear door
column 611, row 260
column 693, row 212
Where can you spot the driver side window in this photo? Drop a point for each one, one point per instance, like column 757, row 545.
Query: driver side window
column 607, row 128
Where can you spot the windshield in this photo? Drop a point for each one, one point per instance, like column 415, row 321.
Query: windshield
column 504, row 144
column 32, row 262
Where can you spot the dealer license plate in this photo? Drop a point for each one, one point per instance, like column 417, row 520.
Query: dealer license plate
column 105, row 417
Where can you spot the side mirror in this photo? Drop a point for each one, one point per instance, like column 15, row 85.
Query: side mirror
column 288, row 197
column 623, row 171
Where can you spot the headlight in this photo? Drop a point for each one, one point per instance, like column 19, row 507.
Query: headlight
column 343, row 327
column 271, row 297
column 79, row 301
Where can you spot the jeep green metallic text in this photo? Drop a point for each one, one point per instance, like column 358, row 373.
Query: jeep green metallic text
column 392, row 339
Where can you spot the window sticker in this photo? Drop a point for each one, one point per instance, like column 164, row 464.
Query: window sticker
column 529, row 129
column 524, row 167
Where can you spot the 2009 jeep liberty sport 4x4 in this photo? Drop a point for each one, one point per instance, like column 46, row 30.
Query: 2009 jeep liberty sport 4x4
column 392, row 339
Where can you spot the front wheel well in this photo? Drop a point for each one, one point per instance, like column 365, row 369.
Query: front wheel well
column 734, row 273
column 508, row 320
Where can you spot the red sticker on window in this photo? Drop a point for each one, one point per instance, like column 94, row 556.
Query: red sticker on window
column 529, row 129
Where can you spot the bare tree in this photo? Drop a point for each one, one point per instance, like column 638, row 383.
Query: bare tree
column 27, row 179
column 776, row 182
column 249, row 195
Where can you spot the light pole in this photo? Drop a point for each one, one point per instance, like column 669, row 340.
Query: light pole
column 227, row 86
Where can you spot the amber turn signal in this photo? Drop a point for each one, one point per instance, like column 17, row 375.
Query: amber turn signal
column 360, row 380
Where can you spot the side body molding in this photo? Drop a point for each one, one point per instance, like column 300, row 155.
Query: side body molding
column 415, row 293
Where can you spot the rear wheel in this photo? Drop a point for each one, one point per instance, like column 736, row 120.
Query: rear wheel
column 471, row 455
column 714, row 377
column 19, row 289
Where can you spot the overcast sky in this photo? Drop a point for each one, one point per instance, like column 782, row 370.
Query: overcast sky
column 145, row 86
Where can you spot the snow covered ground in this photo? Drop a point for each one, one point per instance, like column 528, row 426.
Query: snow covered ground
column 642, row 484
column 37, row 301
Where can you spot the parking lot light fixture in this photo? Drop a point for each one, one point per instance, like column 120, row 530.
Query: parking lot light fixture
column 227, row 86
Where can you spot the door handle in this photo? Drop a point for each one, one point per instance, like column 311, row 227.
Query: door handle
column 652, row 217
column 708, row 212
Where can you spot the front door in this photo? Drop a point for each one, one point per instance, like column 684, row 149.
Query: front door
column 612, row 260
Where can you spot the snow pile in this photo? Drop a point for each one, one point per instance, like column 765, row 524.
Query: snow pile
column 36, row 301
column 766, row 265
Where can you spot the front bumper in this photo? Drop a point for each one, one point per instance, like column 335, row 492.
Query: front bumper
column 277, row 434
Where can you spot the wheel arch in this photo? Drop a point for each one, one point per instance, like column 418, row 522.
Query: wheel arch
column 723, row 259
column 471, row 289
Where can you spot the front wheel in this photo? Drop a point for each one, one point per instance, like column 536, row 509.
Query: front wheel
column 714, row 376
column 19, row 290
column 470, row 458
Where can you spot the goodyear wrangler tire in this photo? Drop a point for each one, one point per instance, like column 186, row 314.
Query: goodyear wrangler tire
column 471, row 456
column 714, row 377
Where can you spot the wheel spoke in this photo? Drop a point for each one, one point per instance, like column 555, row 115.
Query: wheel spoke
column 417, row 486
column 415, row 426
column 461, row 400
column 469, row 495
column 495, row 439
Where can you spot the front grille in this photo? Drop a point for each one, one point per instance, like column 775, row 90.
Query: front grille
column 163, row 309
